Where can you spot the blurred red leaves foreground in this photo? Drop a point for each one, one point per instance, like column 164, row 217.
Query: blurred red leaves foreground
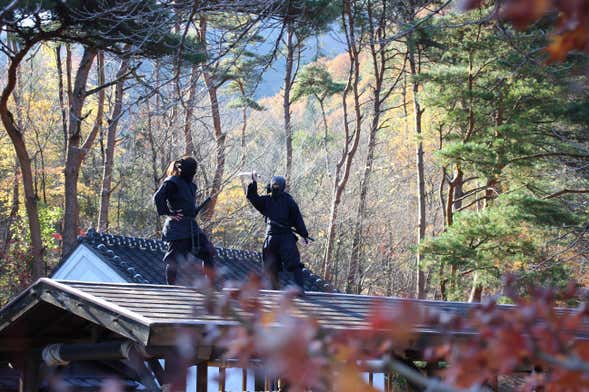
column 535, row 337
column 571, row 26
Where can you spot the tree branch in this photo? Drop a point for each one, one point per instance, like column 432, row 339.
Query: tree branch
column 565, row 191
column 112, row 82
column 549, row 154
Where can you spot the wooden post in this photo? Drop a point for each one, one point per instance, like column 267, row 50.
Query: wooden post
column 222, row 378
column 244, row 380
column 175, row 373
column 259, row 384
column 202, row 377
column 387, row 382
column 29, row 375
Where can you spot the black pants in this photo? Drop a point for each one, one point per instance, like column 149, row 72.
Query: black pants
column 183, row 263
column 280, row 252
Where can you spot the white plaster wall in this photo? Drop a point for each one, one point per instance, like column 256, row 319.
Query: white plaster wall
column 83, row 265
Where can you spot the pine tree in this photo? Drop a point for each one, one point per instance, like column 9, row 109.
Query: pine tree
column 503, row 112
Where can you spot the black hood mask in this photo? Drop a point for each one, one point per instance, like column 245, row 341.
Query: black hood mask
column 187, row 168
column 277, row 185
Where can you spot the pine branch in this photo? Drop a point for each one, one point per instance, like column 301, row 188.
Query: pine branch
column 565, row 191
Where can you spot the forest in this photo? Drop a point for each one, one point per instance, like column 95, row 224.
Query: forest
column 433, row 146
column 437, row 149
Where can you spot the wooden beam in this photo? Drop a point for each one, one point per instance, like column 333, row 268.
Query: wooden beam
column 202, row 376
column 56, row 354
column 121, row 323
column 244, row 380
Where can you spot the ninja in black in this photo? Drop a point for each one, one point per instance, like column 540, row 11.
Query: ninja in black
column 176, row 199
column 283, row 219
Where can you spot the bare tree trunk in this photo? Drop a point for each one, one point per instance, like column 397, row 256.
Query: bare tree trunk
column 68, row 75
column 75, row 153
column 325, row 135
column 106, row 188
column 219, row 148
column 352, row 138
column 154, row 167
column 417, row 113
column 288, row 80
column 379, row 58
column 13, row 212
column 476, row 291
column 453, row 204
column 20, row 148
column 212, row 88
column 361, row 211
column 188, row 142
column 491, row 191
column 61, row 93
column 243, row 119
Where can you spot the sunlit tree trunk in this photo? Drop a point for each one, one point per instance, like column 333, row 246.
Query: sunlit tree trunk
column 106, row 188
column 154, row 161
column 325, row 135
column 288, row 81
column 61, row 93
column 188, row 142
column 219, row 148
column 17, row 137
column 212, row 89
column 243, row 120
column 352, row 137
column 414, row 65
column 12, row 216
column 379, row 57
column 75, row 151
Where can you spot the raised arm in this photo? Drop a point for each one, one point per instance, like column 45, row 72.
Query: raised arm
column 259, row 202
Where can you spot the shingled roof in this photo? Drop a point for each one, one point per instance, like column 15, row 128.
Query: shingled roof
column 139, row 260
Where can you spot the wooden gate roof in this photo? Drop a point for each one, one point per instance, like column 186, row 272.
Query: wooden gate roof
column 53, row 311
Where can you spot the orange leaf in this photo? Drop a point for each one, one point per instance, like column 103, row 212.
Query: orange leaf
column 350, row 380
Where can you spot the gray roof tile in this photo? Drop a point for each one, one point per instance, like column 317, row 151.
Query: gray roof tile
column 139, row 260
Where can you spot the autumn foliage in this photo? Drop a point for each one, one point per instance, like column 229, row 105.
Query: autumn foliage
column 570, row 19
column 534, row 337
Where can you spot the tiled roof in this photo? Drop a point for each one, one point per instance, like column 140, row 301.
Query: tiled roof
column 139, row 260
column 146, row 313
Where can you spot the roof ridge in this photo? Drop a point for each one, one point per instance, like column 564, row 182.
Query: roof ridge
column 94, row 236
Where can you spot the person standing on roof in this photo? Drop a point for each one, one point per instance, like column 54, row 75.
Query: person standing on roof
column 283, row 219
column 189, row 249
